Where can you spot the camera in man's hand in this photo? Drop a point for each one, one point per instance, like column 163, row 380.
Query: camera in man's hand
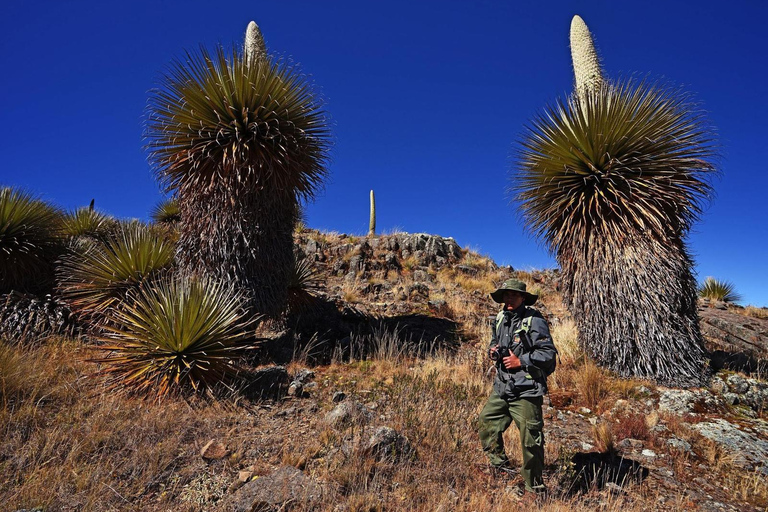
column 499, row 354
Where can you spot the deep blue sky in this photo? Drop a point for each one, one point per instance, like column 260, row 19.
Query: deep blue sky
column 426, row 100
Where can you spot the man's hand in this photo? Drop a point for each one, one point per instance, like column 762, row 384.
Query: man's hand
column 512, row 362
column 492, row 352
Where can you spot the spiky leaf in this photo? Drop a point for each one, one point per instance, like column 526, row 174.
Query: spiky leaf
column 225, row 117
column 304, row 281
column 86, row 222
column 635, row 157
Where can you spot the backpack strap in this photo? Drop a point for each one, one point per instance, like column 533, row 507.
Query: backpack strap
column 499, row 320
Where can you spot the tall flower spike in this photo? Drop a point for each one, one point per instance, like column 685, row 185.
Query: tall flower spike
column 586, row 62
column 254, row 42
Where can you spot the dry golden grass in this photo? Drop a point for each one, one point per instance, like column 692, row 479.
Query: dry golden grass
column 566, row 338
column 593, row 385
column 754, row 312
column 602, row 434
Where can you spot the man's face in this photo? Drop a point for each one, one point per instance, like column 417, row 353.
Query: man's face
column 512, row 300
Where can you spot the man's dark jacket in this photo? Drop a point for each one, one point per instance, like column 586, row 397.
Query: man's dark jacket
column 530, row 380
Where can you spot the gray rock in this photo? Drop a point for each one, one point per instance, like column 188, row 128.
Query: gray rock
column 286, row 485
column 648, row 453
column 388, row 444
column 464, row 269
column 348, row 412
column 390, row 259
column 631, row 444
column 737, row 384
column 731, row 398
column 682, row 401
column 357, row 263
column 338, row 396
column 268, row 382
column 418, row 290
column 718, row 385
column 301, row 382
column 745, row 450
column 421, row 276
column 679, row 444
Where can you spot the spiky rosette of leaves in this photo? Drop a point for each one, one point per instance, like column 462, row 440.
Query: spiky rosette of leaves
column 177, row 334
column 239, row 141
column 86, row 222
column 612, row 184
column 95, row 280
column 30, row 240
column 166, row 212
column 221, row 116
column 304, row 281
column 715, row 289
column 635, row 157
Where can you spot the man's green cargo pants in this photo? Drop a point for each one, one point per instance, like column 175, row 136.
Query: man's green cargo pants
column 497, row 416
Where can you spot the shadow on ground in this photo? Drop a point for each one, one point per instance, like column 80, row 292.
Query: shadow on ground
column 329, row 331
column 597, row 470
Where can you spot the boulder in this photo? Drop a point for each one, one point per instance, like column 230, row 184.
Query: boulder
column 269, row 382
column 347, row 413
column 388, row 444
column 285, row 486
column 744, row 449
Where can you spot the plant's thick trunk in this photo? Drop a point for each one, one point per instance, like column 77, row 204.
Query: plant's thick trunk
column 635, row 307
column 243, row 236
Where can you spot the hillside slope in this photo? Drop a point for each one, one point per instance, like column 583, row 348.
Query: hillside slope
column 375, row 409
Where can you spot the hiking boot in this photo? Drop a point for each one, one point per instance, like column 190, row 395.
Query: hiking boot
column 528, row 497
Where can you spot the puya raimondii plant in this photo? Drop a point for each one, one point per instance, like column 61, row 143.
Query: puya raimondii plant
column 240, row 139
column 612, row 178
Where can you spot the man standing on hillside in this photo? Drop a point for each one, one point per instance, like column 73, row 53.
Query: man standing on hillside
column 524, row 354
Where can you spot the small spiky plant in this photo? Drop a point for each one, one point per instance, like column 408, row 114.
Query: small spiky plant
column 175, row 335
column 96, row 280
column 612, row 179
column 303, row 283
column 715, row 289
column 30, row 241
column 86, row 222
column 239, row 139
column 166, row 212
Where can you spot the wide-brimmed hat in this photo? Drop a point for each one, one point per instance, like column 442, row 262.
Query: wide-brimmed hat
column 513, row 285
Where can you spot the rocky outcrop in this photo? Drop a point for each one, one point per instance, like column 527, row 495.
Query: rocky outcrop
column 286, row 486
column 744, row 449
column 736, row 341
